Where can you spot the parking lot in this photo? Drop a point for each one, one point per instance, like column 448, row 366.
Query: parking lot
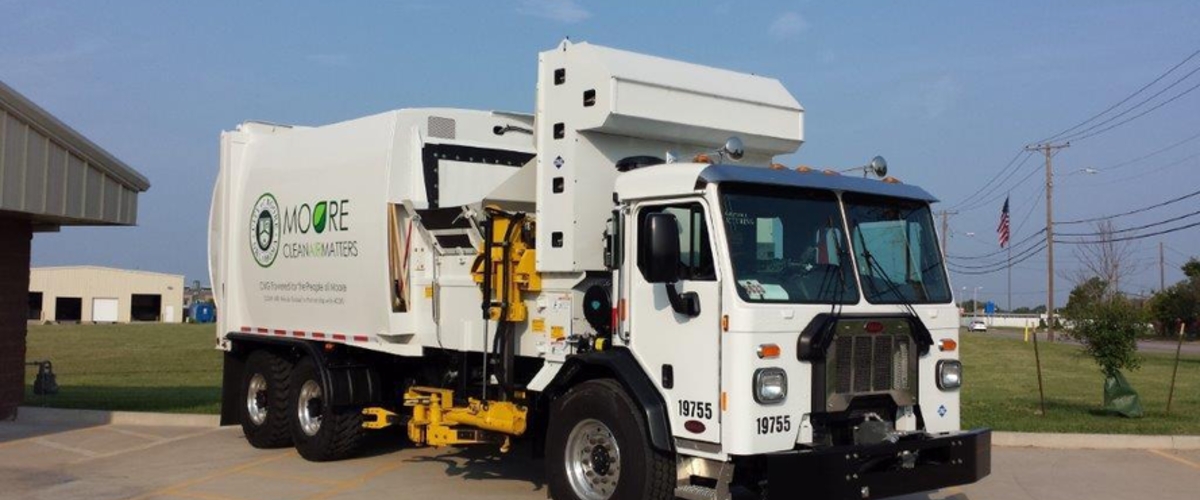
column 62, row 462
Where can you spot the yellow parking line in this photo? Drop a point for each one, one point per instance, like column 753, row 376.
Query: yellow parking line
column 173, row 489
column 200, row 495
column 357, row 482
column 1176, row 458
column 292, row 477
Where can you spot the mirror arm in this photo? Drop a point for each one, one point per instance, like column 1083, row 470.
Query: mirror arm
column 687, row 304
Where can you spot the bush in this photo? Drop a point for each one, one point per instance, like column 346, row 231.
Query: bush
column 1109, row 331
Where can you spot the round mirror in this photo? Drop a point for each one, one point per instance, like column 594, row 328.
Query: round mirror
column 878, row 166
column 733, row 148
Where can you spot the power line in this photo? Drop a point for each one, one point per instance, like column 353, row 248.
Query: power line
column 1131, row 212
column 1136, row 176
column 998, row 252
column 1137, row 228
column 998, row 269
column 1157, row 79
column 1151, row 154
column 1129, row 238
column 996, row 198
column 972, row 205
column 1139, row 115
column 1032, row 206
column 999, row 173
column 1004, row 263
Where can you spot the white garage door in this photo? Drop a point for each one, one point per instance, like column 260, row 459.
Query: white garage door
column 104, row 310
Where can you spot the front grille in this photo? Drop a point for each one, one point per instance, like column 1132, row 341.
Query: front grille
column 879, row 362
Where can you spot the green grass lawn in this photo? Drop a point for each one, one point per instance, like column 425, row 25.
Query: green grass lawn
column 1001, row 390
column 174, row 368
column 139, row 367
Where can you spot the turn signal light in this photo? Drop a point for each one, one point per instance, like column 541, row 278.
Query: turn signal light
column 768, row 351
column 947, row 345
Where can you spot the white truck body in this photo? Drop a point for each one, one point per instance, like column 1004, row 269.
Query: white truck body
column 366, row 234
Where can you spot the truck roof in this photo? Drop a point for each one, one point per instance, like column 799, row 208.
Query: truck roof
column 668, row 179
column 812, row 179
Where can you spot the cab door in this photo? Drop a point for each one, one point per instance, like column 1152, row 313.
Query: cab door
column 679, row 348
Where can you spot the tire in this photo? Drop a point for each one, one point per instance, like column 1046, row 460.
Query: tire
column 264, row 400
column 585, row 424
column 321, row 433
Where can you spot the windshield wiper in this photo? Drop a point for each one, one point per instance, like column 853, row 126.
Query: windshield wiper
column 877, row 269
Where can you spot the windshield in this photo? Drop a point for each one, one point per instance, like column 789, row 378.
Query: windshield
column 896, row 248
column 787, row 245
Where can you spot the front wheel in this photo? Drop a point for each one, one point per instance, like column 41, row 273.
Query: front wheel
column 598, row 447
column 321, row 432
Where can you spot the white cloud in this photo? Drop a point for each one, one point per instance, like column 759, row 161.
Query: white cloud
column 563, row 11
column 789, row 25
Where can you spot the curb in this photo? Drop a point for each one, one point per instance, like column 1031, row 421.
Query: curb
column 100, row 417
column 1094, row 441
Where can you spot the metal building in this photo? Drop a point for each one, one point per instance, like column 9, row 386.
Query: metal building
column 93, row 294
column 50, row 177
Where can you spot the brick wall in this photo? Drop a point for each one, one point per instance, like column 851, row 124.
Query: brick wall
column 15, row 235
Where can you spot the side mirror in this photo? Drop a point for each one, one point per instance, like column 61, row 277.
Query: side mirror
column 661, row 233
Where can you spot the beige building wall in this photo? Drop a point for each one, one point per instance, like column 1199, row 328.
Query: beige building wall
column 92, row 282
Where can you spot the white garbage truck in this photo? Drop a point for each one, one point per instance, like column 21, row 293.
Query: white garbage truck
column 626, row 278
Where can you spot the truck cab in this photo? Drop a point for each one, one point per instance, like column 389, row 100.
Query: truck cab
column 786, row 311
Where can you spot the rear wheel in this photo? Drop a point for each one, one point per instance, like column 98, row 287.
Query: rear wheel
column 264, row 415
column 320, row 431
column 598, row 447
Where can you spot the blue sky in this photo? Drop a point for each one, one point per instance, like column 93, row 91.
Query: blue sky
column 947, row 91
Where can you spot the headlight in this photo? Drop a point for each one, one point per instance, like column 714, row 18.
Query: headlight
column 770, row 385
column 949, row 374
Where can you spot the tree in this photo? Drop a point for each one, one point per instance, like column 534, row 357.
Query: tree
column 1105, row 259
column 1108, row 330
column 1179, row 302
column 1087, row 294
column 1191, row 268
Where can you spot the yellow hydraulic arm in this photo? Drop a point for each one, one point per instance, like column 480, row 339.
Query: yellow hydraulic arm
column 437, row 422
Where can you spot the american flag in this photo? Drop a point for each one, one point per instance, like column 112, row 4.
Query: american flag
column 1002, row 231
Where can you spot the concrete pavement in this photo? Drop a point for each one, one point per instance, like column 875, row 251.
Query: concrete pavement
column 64, row 462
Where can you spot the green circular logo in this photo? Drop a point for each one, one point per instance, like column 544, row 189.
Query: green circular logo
column 265, row 228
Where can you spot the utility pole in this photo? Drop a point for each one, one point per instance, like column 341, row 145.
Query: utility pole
column 1049, row 150
column 945, row 230
column 1162, row 269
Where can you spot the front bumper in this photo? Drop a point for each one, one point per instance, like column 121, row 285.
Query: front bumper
column 914, row 464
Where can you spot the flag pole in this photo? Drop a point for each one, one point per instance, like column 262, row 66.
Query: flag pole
column 1010, row 307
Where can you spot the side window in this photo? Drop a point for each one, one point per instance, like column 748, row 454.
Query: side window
column 695, row 251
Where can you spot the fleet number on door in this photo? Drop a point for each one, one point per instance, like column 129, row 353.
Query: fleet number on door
column 695, row 409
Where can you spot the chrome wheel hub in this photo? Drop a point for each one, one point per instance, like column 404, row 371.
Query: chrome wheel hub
column 256, row 399
column 309, row 408
column 593, row 460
